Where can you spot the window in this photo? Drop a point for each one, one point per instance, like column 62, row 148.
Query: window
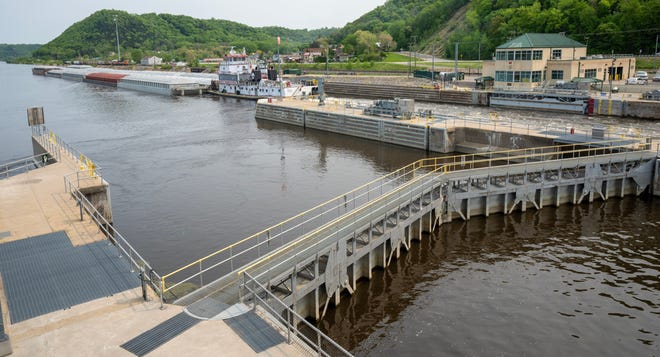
column 510, row 55
column 557, row 74
column 525, row 76
column 590, row 73
column 525, row 55
column 500, row 55
column 536, row 76
column 500, row 76
column 516, row 76
column 537, row 55
column 556, row 54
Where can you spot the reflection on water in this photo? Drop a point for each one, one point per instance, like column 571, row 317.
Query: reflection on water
column 572, row 280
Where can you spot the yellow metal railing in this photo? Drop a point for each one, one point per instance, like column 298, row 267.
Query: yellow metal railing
column 249, row 249
column 416, row 188
column 56, row 146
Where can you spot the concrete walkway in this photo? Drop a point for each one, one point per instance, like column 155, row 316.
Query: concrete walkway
column 35, row 203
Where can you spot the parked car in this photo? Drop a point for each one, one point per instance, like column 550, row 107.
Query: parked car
column 656, row 78
column 635, row 80
column 642, row 75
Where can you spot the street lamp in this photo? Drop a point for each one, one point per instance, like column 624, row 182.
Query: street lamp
column 117, row 33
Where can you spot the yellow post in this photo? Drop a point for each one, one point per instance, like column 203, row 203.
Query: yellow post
column 92, row 168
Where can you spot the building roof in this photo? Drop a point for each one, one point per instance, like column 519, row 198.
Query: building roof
column 541, row 40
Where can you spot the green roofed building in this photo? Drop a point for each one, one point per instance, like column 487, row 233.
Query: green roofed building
column 534, row 59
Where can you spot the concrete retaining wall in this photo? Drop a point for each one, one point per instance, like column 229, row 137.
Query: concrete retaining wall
column 642, row 109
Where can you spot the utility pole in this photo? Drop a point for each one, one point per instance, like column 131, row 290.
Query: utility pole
column 117, row 33
column 409, row 60
column 327, row 55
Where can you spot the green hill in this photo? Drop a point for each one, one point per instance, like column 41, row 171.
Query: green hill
column 621, row 26
column 174, row 36
column 9, row 52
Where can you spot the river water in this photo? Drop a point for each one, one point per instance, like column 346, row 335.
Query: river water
column 191, row 175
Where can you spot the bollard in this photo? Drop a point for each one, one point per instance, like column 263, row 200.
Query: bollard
column 143, row 282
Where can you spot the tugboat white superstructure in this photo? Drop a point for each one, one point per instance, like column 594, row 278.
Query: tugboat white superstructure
column 240, row 74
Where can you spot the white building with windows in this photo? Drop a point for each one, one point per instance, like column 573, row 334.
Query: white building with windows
column 151, row 61
column 532, row 59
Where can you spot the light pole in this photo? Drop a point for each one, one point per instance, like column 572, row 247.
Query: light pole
column 655, row 55
column 612, row 74
column 456, row 61
column 433, row 61
column 415, row 50
column 117, row 33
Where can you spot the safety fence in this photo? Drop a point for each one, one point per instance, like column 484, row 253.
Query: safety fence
column 56, row 147
column 290, row 324
column 23, row 165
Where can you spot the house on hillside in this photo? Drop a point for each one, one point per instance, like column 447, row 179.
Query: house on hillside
column 310, row 53
column 151, row 61
column 532, row 59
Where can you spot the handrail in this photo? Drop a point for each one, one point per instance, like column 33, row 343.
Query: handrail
column 400, row 191
column 125, row 249
column 55, row 145
column 408, row 172
column 27, row 162
column 274, row 313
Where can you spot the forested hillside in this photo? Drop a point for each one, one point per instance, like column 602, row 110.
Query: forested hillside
column 619, row 26
column 9, row 52
column 171, row 36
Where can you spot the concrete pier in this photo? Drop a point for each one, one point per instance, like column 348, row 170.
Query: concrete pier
column 37, row 203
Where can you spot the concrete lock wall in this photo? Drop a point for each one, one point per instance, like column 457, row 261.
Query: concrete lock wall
column 473, row 140
column 281, row 114
column 642, row 109
column 605, row 106
column 399, row 132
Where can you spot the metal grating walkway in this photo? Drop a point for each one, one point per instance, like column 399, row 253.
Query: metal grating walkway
column 2, row 326
column 46, row 273
column 159, row 335
column 254, row 331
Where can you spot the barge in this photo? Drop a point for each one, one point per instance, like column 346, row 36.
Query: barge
column 553, row 101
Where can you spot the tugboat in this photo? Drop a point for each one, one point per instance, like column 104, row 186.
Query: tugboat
column 241, row 75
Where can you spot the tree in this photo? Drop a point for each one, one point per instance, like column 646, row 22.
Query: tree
column 136, row 55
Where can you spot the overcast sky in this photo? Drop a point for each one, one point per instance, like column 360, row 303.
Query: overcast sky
column 39, row 21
